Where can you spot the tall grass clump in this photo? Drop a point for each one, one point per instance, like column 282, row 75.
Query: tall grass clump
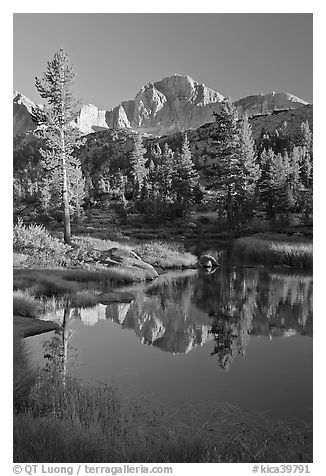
column 43, row 283
column 25, row 305
column 42, row 248
column 275, row 250
column 165, row 255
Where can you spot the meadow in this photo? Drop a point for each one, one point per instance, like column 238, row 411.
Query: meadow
column 275, row 249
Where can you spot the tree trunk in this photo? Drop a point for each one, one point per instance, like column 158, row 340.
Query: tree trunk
column 67, row 230
column 65, row 197
column 229, row 211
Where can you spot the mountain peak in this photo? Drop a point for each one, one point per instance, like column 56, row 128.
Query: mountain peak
column 172, row 104
column 19, row 98
column 266, row 103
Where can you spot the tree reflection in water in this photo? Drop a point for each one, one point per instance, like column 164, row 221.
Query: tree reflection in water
column 226, row 306
column 57, row 350
column 178, row 313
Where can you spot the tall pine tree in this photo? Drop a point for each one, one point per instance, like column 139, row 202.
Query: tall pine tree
column 275, row 183
column 225, row 139
column 185, row 177
column 56, row 124
column 137, row 162
column 305, row 142
column 248, row 170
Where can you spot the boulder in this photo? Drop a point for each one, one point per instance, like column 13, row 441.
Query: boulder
column 125, row 257
column 208, row 261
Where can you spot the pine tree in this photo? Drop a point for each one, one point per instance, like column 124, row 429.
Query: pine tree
column 305, row 142
column 77, row 191
column 185, row 177
column 225, row 139
column 304, row 136
column 275, row 183
column 295, row 160
column 164, row 174
column 237, row 168
column 137, row 162
column 248, row 170
column 56, row 124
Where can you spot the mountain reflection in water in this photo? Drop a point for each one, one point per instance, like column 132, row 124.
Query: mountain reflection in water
column 180, row 311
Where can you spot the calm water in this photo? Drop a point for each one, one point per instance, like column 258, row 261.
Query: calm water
column 239, row 335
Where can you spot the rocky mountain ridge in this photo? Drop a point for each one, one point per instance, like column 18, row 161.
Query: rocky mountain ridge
column 173, row 104
column 118, row 144
column 22, row 109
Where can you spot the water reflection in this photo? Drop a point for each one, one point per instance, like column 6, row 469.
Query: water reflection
column 176, row 313
column 57, row 350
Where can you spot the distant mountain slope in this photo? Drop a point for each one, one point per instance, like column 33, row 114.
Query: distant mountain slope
column 204, row 151
column 167, row 106
column 292, row 118
column 22, row 120
column 173, row 104
column 115, row 146
column 267, row 103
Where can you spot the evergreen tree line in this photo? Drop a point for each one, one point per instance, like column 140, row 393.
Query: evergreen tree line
column 286, row 182
column 273, row 175
column 165, row 185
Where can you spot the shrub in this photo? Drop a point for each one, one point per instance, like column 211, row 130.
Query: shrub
column 39, row 245
column 25, row 305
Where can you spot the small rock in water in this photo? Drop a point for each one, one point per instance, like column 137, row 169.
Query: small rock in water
column 208, row 261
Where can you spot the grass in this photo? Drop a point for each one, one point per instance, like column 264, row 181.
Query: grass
column 84, row 299
column 25, row 305
column 275, row 249
column 113, row 275
column 165, row 255
column 60, row 419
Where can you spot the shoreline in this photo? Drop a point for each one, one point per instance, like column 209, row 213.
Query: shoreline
column 30, row 326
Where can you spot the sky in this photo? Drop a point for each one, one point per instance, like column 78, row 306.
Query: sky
column 115, row 54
